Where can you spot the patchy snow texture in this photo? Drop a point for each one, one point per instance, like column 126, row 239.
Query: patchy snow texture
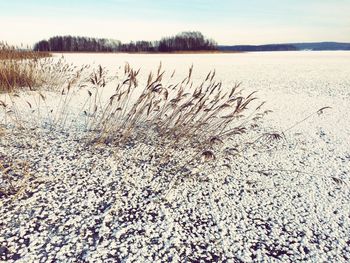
column 274, row 201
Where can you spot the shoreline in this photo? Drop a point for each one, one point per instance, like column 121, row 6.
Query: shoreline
column 157, row 53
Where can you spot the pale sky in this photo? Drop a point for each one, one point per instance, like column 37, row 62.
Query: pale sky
column 229, row 22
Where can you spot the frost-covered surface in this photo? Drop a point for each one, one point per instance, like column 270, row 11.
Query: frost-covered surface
column 275, row 201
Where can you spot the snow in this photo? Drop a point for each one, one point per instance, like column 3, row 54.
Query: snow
column 286, row 200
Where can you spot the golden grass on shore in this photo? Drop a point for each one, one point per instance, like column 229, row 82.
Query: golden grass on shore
column 19, row 68
column 11, row 52
column 154, row 52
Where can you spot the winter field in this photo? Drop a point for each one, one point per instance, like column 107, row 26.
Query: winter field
column 80, row 188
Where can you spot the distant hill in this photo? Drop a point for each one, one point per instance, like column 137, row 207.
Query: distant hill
column 316, row 46
column 322, row 46
column 272, row 47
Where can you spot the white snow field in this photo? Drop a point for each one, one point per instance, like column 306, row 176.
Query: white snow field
column 284, row 200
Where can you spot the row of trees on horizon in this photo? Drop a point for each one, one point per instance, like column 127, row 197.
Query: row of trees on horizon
column 185, row 41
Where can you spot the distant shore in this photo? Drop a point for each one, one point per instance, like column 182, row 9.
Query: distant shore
column 174, row 52
column 187, row 52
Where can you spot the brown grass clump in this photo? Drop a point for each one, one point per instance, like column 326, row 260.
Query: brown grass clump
column 11, row 52
column 176, row 114
column 20, row 68
column 14, row 74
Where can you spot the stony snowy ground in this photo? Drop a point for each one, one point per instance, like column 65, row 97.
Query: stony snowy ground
column 280, row 201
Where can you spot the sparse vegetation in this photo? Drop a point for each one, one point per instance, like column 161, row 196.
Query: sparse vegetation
column 118, row 112
column 164, row 112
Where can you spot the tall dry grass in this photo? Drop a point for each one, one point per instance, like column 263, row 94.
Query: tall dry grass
column 12, row 52
column 171, row 113
column 20, row 68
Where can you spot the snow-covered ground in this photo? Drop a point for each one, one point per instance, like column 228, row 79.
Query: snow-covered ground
column 275, row 201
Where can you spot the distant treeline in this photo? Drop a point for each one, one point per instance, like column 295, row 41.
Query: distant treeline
column 185, row 41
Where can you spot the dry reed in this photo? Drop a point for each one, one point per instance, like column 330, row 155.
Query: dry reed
column 20, row 68
column 174, row 114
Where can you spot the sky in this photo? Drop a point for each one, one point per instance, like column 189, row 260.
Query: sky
column 229, row 22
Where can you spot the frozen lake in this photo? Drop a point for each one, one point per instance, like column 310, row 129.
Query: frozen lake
column 293, row 83
column 292, row 71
